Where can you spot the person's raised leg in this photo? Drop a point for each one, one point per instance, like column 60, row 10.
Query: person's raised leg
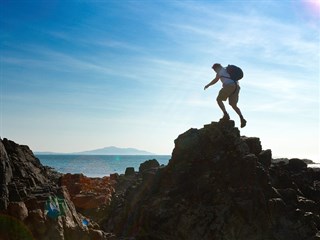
column 238, row 111
column 233, row 101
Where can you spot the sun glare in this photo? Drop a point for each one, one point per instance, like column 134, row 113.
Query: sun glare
column 308, row 11
column 313, row 7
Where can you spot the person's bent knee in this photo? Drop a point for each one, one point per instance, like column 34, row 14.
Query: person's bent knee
column 233, row 105
column 220, row 99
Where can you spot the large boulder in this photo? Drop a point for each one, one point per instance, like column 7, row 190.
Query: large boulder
column 296, row 164
column 217, row 185
column 149, row 165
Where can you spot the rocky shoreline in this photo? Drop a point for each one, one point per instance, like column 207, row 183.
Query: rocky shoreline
column 217, row 185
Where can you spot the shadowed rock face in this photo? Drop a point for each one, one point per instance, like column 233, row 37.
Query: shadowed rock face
column 26, row 187
column 218, row 185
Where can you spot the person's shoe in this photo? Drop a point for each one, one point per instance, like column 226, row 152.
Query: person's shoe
column 225, row 117
column 243, row 123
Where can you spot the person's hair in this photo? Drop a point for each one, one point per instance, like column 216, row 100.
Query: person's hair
column 216, row 66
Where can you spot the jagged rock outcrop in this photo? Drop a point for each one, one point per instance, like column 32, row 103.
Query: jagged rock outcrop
column 33, row 205
column 91, row 196
column 86, row 192
column 218, row 185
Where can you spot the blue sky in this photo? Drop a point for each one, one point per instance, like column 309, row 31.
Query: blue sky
column 84, row 74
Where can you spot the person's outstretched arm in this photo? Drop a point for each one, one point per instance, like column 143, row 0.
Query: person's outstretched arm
column 216, row 79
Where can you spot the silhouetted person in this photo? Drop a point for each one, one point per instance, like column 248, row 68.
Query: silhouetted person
column 230, row 90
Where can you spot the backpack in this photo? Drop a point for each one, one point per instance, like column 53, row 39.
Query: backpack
column 235, row 72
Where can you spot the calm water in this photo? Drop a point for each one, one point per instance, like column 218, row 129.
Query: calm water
column 97, row 165
column 316, row 165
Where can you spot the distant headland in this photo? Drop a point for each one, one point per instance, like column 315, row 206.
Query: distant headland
column 112, row 150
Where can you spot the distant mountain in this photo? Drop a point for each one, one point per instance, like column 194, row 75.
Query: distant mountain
column 115, row 151
column 104, row 151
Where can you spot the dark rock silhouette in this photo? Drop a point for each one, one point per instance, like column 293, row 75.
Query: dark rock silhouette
column 26, row 187
column 218, row 185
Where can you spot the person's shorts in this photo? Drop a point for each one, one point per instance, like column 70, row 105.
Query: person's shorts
column 230, row 91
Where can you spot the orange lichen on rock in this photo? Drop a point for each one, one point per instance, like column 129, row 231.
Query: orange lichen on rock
column 86, row 192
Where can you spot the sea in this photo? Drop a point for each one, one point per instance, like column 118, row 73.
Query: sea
column 97, row 165
column 103, row 165
column 314, row 165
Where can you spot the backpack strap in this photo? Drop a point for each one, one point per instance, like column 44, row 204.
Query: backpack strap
column 235, row 81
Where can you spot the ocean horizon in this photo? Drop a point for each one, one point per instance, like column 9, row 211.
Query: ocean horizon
column 102, row 165
column 97, row 165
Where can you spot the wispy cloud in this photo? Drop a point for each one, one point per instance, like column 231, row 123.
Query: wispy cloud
column 93, row 42
column 234, row 35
